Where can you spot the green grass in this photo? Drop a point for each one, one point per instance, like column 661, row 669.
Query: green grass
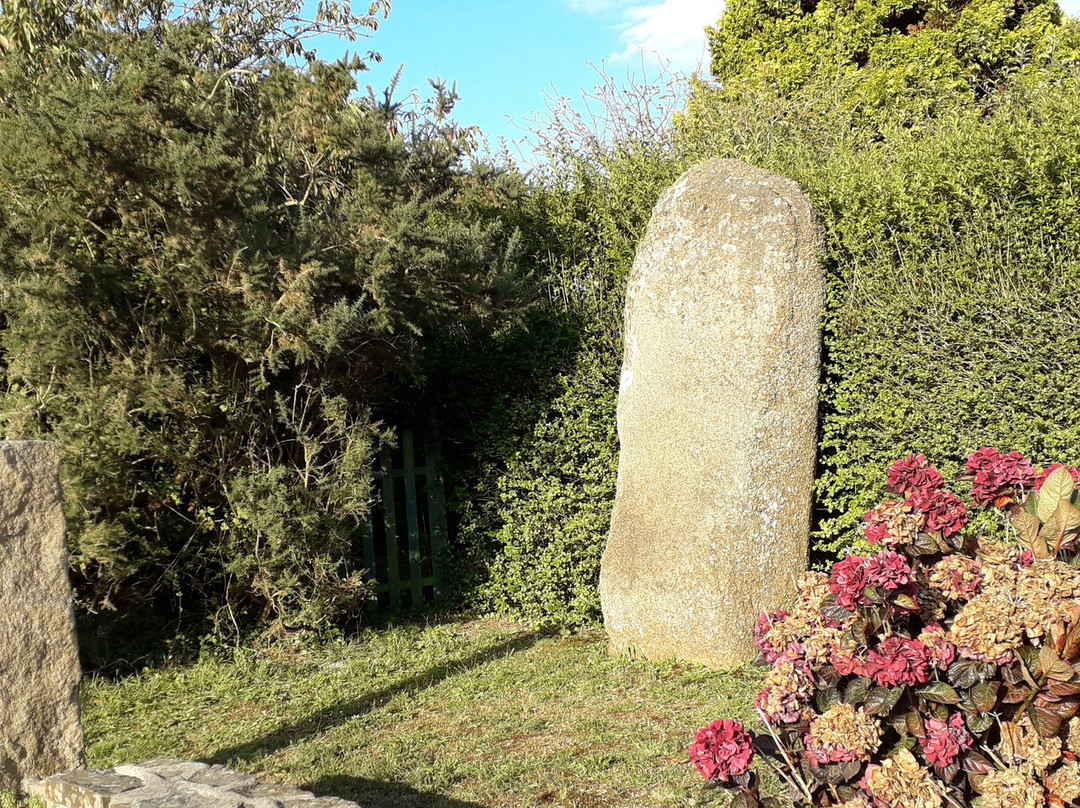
column 451, row 715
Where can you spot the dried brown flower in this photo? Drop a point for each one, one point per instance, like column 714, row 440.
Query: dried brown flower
column 843, row 733
column 1065, row 782
column 894, row 523
column 956, row 576
column 1024, row 749
column 1010, row 788
column 987, row 627
column 901, row 781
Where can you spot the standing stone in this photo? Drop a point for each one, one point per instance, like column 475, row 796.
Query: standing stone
column 717, row 416
column 40, row 729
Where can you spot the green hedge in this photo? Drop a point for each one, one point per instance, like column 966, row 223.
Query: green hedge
column 953, row 261
column 953, row 258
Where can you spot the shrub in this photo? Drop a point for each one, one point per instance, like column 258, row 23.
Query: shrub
column 941, row 669
column 212, row 277
column 529, row 413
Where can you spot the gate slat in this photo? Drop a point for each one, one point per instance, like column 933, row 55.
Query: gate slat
column 390, row 520
column 412, row 522
column 436, row 505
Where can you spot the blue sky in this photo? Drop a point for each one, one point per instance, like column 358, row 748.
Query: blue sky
column 506, row 54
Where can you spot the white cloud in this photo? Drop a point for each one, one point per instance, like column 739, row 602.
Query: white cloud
column 673, row 30
column 1070, row 7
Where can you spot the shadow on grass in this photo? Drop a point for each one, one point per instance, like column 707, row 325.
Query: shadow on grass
column 338, row 714
column 378, row 794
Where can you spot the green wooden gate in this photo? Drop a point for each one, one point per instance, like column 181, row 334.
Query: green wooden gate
column 406, row 536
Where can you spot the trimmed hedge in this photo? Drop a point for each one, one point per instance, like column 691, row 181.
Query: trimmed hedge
column 953, row 260
column 953, row 257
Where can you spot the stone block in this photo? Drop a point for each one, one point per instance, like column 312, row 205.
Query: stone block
column 40, row 728
column 717, row 416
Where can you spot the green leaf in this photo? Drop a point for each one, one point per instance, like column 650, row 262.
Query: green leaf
column 939, row 693
column 978, row 723
column 984, row 696
column 857, row 690
column 966, row 673
column 881, row 700
column 1058, row 486
column 827, row 698
column 906, row 602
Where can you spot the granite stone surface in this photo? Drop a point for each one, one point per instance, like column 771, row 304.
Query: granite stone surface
column 40, row 725
column 717, row 416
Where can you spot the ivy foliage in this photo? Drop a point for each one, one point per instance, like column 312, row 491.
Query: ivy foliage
column 211, row 278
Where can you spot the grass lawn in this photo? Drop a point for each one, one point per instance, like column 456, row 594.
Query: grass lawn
column 445, row 715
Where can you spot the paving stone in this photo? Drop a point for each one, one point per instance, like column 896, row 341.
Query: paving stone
column 167, row 783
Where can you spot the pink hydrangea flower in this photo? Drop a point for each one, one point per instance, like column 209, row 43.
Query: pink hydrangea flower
column 722, row 750
column 1051, row 469
column 846, row 662
column 899, row 661
column 847, row 580
column 765, row 622
column 995, row 473
column 942, row 651
column 888, row 570
column 876, row 531
column 945, row 740
column 944, row 510
column 913, row 473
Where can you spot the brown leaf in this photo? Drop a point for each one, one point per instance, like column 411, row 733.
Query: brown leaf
column 1027, row 527
column 1053, row 666
column 975, row 763
column 1015, row 695
column 1063, row 689
column 1045, row 721
column 914, row 723
column 1072, row 515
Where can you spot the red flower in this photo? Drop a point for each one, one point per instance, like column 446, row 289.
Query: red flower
column 888, row 570
column 722, row 750
column 847, row 580
column 995, row 473
column 899, row 661
column 913, row 473
column 944, row 741
column 944, row 510
column 1051, row 469
column 846, row 663
column 876, row 531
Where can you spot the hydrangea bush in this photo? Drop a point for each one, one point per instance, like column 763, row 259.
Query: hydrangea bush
column 942, row 670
